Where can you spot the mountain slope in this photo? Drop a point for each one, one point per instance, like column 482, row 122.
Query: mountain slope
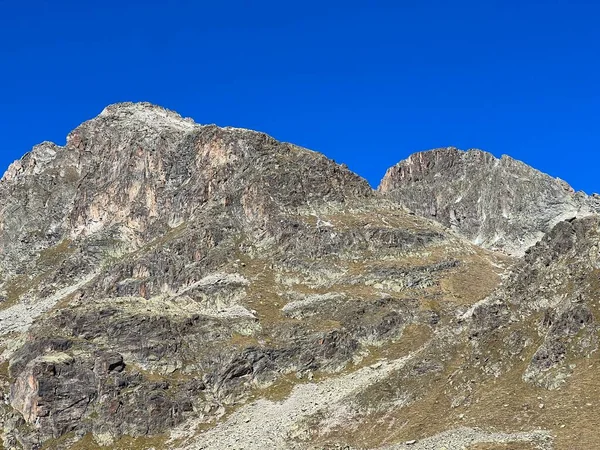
column 165, row 284
column 522, row 360
column 158, row 265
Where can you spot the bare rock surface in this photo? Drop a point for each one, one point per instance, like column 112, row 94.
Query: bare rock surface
column 165, row 284
column 499, row 203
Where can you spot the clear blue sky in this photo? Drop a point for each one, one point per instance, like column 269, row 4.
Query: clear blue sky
column 367, row 83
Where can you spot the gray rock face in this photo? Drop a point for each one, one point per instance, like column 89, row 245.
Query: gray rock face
column 553, row 291
column 149, row 262
column 159, row 278
column 497, row 203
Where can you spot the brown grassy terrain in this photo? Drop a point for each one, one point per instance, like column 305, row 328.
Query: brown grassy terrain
column 124, row 443
column 510, row 446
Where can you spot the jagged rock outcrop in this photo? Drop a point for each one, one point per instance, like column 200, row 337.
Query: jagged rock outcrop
column 497, row 203
column 159, row 278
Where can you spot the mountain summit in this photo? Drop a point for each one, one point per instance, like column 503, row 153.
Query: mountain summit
column 165, row 284
column 499, row 203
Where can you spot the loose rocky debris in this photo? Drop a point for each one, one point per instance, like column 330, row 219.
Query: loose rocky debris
column 464, row 438
column 267, row 424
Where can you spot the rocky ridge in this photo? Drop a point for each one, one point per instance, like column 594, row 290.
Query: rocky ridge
column 165, row 284
column 498, row 203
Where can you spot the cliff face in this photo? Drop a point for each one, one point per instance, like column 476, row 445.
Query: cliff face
column 137, row 170
column 165, row 284
column 496, row 203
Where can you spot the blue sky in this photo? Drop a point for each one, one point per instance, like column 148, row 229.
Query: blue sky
column 366, row 83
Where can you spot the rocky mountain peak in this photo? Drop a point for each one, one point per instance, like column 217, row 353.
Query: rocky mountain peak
column 33, row 162
column 165, row 284
column 131, row 120
column 137, row 168
column 499, row 203
column 445, row 161
column 147, row 113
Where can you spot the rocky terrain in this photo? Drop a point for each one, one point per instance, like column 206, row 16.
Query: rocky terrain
column 500, row 204
column 165, row 284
